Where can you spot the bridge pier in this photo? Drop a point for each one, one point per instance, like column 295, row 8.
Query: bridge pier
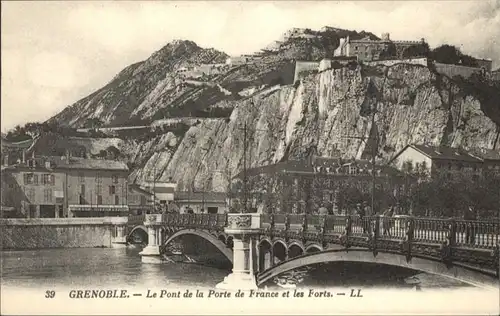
column 151, row 253
column 120, row 237
column 244, row 228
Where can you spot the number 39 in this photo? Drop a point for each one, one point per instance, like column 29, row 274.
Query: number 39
column 50, row 294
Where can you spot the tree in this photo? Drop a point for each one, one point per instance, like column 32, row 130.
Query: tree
column 446, row 54
column 418, row 50
column 388, row 52
column 93, row 123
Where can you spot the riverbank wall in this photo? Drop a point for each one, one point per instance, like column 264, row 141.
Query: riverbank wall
column 40, row 233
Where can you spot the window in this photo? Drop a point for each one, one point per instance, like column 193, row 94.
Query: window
column 82, row 189
column 29, row 178
column 47, row 195
column 353, row 170
column 99, row 199
column 117, row 200
column 48, row 179
column 98, row 178
column 112, row 189
column 143, row 200
column 81, row 177
column 115, row 178
column 30, row 193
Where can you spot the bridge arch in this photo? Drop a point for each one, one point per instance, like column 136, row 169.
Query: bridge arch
column 279, row 250
column 458, row 272
column 207, row 236
column 138, row 228
column 313, row 248
column 265, row 253
column 295, row 249
column 222, row 238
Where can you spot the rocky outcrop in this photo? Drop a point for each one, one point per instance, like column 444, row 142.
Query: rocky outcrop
column 139, row 91
column 327, row 112
column 322, row 113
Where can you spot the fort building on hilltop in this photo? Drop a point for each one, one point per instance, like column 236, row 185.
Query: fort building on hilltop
column 367, row 49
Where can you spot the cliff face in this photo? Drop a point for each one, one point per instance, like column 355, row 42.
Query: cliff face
column 323, row 113
column 327, row 113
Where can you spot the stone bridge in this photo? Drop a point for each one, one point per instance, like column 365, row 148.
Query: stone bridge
column 262, row 246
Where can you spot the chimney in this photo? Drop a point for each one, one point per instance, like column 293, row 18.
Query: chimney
column 24, row 156
column 6, row 160
column 385, row 36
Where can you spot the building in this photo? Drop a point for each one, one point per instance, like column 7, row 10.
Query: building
column 367, row 49
column 490, row 158
column 67, row 186
column 303, row 186
column 485, row 64
column 201, row 202
column 436, row 159
column 139, row 200
column 164, row 192
column 495, row 74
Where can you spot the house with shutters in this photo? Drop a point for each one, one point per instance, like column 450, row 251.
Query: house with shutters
column 443, row 159
column 65, row 186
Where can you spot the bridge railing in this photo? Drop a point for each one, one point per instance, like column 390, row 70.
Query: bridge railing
column 484, row 234
column 423, row 230
column 136, row 219
column 459, row 233
column 195, row 220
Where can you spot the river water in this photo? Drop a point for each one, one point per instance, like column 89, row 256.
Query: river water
column 35, row 271
column 100, row 266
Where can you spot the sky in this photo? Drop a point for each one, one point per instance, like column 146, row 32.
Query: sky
column 55, row 53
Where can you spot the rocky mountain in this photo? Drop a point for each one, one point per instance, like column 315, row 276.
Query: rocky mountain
column 139, row 90
column 414, row 104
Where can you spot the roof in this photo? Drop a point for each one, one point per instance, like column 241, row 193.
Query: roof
column 285, row 166
column 75, row 163
column 441, row 152
column 22, row 144
column 486, row 154
column 304, row 166
column 85, row 163
column 137, row 188
column 200, row 196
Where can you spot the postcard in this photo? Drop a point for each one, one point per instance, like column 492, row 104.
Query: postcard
column 250, row 157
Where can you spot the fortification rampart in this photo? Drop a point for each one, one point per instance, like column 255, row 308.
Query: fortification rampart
column 390, row 62
column 456, row 70
column 304, row 66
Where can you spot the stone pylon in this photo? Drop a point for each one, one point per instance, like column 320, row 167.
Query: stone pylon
column 151, row 253
column 244, row 228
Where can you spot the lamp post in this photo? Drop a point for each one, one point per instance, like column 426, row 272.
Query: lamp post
column 373, row 154
column 245, row 176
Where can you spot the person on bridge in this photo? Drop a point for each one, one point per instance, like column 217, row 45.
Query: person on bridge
column 323, row 210
column 386, row 220
column 470, row 232
column 361, row 212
